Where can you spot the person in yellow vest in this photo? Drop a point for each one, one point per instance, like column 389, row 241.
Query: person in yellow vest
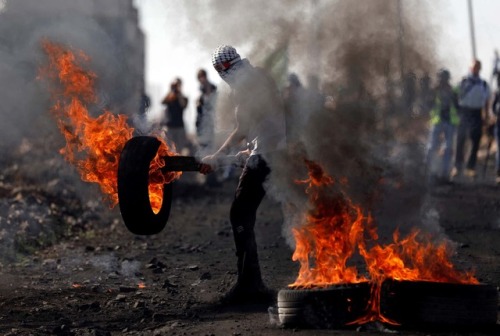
column 444, row 120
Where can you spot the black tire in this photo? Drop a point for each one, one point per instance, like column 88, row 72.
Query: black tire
column 439, row 305
column 331, row 307
column 133, row 194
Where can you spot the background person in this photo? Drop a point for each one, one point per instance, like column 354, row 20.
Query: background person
column 175, row 104
column 473, row 97
column 444, row 119
column 205, row 120
column 496, row 112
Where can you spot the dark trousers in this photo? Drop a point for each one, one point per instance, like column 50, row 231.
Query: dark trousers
column 497, row 138
column 249, row 194
column 470, row 127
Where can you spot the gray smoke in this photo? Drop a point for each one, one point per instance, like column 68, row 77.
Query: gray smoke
column 360, row 52
column 352, row 47
column 105, row 33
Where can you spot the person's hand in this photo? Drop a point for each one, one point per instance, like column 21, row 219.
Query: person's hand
column 242, row 156
column 492, row 120
column 208, row 164
column 489, row 120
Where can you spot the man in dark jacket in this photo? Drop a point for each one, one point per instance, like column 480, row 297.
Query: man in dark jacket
column 496, row 112
column 176, row 103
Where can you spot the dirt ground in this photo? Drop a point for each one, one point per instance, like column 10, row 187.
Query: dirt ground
column 95, row 278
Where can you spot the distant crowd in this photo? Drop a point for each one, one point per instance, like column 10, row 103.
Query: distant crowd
column 460, row 115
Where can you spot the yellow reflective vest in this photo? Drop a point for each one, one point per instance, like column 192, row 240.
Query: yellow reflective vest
column 436, row 110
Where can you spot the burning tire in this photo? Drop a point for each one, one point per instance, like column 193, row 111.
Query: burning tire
column 133, row 181
column 436, row 304
column 323, row 308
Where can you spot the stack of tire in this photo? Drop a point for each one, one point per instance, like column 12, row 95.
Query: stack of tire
column 413, row 304
column 422, row 304
column 331, row 307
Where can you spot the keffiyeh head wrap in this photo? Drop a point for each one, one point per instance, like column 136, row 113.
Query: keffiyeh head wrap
column 226, row 60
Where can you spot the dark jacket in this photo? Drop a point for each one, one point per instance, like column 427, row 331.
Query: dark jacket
column 176, row 103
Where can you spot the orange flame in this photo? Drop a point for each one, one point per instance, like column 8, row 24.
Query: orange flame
column 415, row 258
column 336, row 229
column 141, row 285
column 329, row 238
column 94, row 145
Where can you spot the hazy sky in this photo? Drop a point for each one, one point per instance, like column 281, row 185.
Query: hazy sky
column 171, row 50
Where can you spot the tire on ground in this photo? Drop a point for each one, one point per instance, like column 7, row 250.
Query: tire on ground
column 133, row 193
column 439, row 305
column 323, row 308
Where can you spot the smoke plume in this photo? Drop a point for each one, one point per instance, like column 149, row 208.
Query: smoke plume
column 369, row 58
column 102, row 33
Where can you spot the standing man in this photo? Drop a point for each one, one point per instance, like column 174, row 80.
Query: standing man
column 176, row 103
column 496, row 69
column 296, row 109
column 473, row 97
column 205, row 120
column 444, row 119
column 205, row 106
column 260, row 122
column 496, row 112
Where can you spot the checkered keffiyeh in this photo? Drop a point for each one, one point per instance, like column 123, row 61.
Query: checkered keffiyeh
column 224, row 58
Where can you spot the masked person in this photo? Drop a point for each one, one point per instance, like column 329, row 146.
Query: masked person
column 260, row 122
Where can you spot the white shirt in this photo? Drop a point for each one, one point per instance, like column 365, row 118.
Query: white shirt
column 474, row 92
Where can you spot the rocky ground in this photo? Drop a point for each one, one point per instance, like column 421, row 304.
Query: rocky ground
column 70, row 267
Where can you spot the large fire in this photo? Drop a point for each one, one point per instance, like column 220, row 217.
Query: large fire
column 93, row 145
column 336, row 230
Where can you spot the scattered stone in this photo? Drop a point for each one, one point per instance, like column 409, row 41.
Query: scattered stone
column 96, row 288
column 49, row 263
column 159, row 317
column 139, row 304
column 94, row 332
column 126, row 289
column 95, row 305
column 157, row 270
column 196, row 283
column 157, row 266
column 113, row 275
column 121, row 297
column 193, row 267
column 60, row 329
column 206, row 276
column 168, row 284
